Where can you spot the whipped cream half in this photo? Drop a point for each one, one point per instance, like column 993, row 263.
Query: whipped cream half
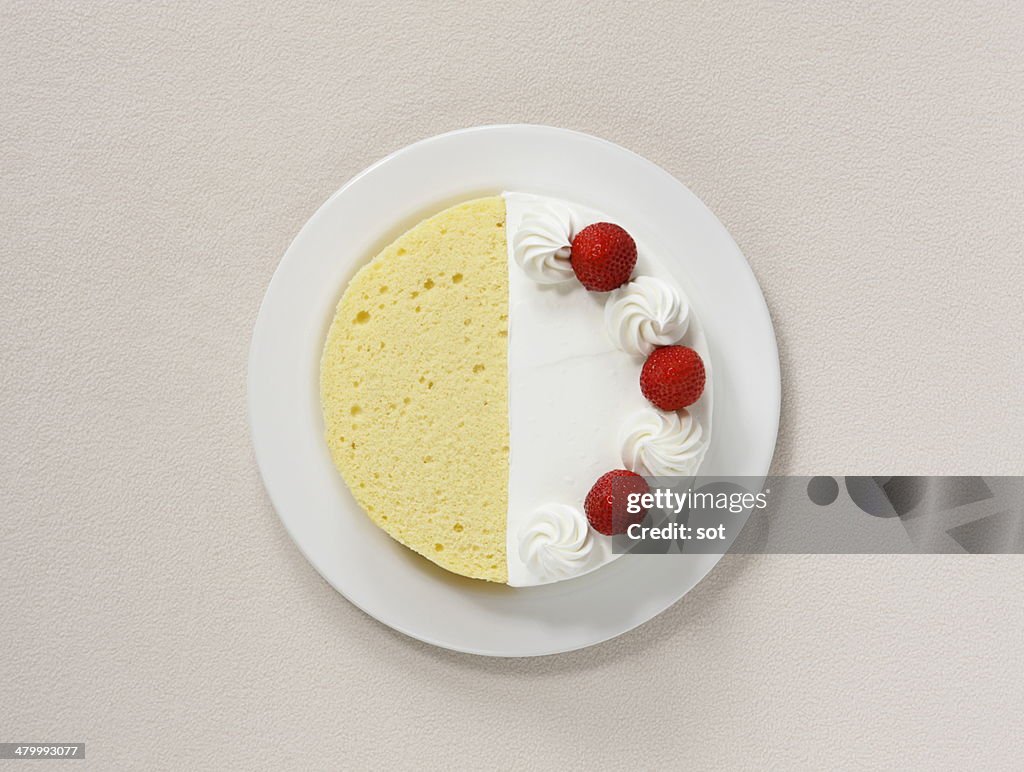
column 575, row 407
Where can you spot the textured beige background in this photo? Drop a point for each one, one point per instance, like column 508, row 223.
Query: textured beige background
column 157, row 158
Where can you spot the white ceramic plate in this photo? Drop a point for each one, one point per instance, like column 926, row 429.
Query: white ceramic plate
column 390, row 582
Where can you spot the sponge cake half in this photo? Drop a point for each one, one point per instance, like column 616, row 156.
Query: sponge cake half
column 414, row 389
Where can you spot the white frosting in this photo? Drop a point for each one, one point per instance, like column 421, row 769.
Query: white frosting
column 570, row 390
column 540, row 244
column 556, row 542
column 660, row 444
column 646, row 313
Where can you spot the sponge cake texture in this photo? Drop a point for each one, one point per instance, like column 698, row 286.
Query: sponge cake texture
column 414, row 388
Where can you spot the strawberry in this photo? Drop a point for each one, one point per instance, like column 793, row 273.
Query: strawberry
column 606, row 504
column 672, row 377
column 603, row 256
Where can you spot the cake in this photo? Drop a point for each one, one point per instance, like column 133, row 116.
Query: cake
column 474, row 389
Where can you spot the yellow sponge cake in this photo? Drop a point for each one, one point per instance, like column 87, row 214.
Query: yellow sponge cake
column 414, row 388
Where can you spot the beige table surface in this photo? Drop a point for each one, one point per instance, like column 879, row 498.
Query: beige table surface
column 157, row 158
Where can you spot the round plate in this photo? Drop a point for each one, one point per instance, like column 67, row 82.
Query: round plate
column 390, row 582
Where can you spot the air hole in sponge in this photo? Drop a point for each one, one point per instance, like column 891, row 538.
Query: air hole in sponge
column 457, row 528
column 428, row 284
column 356, row 410
column 456, row 278
column 362, row 317
column 478, row 368
column 438, row 547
